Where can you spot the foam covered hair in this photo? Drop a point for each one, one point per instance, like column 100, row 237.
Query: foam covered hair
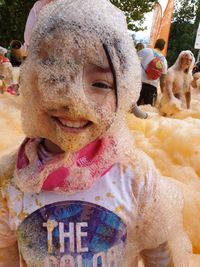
column 180, row 56
column 98, row 20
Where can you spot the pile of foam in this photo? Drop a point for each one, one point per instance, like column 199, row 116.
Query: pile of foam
column 11, row 134
column 174, row 108
column 174, row 145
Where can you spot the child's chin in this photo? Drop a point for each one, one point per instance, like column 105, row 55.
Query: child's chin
column 73, row 146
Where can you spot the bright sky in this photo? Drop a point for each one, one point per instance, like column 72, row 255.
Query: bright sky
column 148, row 19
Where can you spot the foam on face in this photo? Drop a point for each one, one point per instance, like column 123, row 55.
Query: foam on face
column 71, row 43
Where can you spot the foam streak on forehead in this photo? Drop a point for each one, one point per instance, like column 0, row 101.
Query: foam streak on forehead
column 88, row 18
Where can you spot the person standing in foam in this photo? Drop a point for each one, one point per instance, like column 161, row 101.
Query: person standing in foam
column 32, row 19
column 179, row 79
column 78, row 193
column 148, row 94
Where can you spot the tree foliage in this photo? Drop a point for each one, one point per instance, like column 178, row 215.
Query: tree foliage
column 184, row 26
column 134, row 11
column 13, row 15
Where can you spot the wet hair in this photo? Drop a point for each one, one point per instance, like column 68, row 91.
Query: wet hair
column 139, row 46
column 112, row 70
column 177, row 64
column 160, row 44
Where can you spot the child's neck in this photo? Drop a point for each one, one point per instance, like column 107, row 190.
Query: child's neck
column 51, row 147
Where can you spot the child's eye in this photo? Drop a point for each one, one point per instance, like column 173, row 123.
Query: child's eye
column 102, row 85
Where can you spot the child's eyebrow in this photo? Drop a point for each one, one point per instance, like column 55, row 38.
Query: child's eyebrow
column 99, row 69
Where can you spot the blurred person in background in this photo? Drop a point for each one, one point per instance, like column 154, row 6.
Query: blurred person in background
column 153, row 72
column 179, row 79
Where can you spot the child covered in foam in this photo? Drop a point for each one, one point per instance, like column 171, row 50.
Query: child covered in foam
column 77, row 193
column 177, row 90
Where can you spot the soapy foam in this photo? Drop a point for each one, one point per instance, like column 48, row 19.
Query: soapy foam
column 42, row 93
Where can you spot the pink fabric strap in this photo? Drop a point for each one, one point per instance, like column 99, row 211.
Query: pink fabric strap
column 79, row 173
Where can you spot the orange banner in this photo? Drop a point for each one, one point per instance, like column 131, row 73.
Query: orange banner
column 166, row 24
column 156, row 23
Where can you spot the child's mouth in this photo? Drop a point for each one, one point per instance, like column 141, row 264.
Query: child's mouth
column 71, row 125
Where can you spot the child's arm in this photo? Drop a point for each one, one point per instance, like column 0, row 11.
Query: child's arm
column 159, row 227
column 8, row 241
column 166, row 227
column 168, row 86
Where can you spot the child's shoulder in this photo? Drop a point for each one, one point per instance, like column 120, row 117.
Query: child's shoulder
column 7, row 166
column 149, row 184
column 144, row 173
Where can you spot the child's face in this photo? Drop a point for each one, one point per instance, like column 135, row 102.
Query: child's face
column 73, row 92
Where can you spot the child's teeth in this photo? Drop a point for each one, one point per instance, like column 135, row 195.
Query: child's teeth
column 73, row 124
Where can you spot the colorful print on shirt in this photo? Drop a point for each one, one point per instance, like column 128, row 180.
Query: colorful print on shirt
column 72, row 234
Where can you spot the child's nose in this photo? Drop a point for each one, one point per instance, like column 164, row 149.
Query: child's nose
column 68, row 91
